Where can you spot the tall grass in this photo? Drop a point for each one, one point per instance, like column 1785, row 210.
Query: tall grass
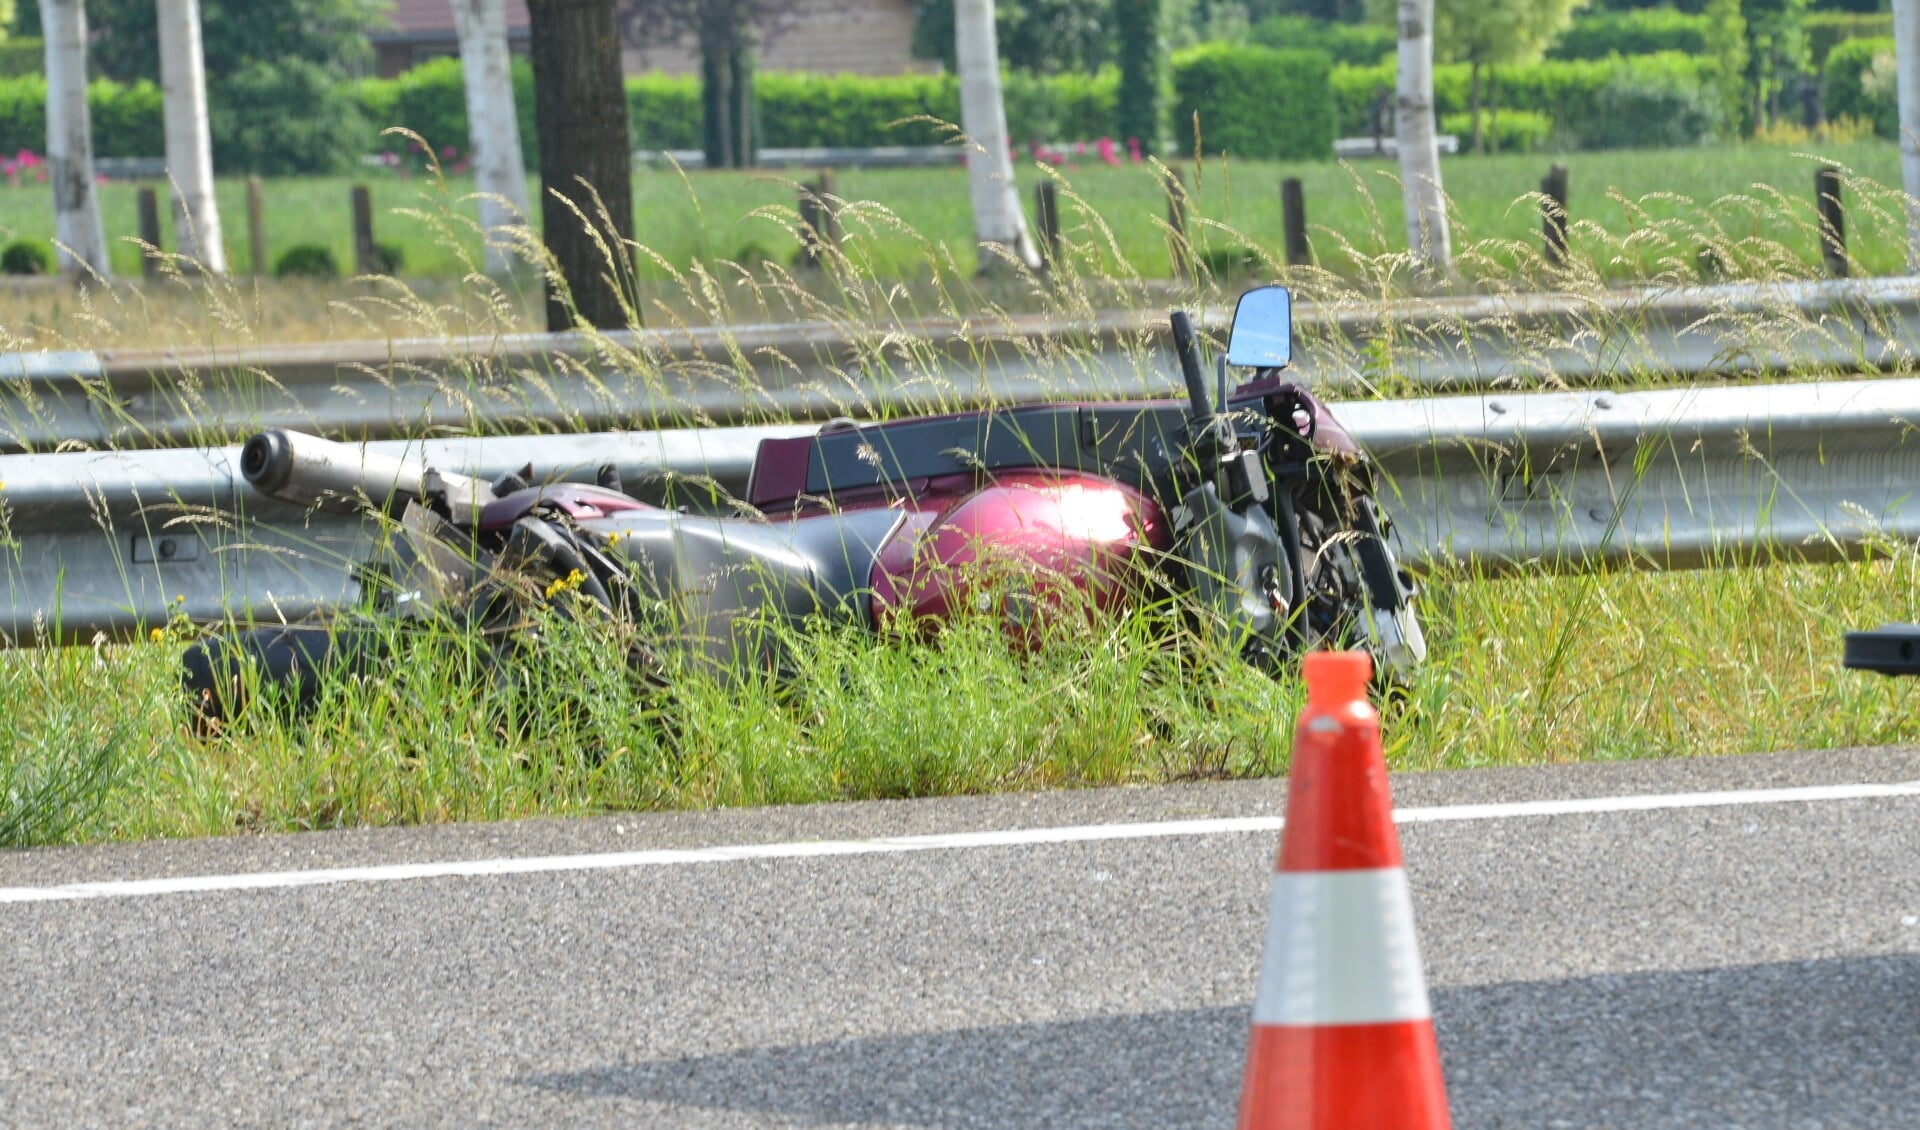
column 1619, row 662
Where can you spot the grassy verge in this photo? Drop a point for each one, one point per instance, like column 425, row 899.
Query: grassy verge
column 1764, row 191
column 1525, row 670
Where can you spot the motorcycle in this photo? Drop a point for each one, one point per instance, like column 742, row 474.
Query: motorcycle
column 1254, row 503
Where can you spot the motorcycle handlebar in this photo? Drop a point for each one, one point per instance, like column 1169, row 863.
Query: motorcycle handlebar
column 1187, row 346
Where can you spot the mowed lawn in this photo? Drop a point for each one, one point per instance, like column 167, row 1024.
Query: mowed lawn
column 1633, row 211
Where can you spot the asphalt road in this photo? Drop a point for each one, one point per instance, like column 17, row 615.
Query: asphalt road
column 1741, row 965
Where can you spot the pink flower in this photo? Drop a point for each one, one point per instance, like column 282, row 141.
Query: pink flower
column 449, row 152
column 1133, row 149
column 1107, row 152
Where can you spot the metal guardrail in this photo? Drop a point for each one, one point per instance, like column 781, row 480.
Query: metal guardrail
column 115, row 542
column 664, row 379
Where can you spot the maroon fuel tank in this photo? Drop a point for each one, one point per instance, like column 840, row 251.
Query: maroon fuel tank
column 1024, row 539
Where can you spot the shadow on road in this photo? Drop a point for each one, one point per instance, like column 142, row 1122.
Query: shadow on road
column 1829, row 1043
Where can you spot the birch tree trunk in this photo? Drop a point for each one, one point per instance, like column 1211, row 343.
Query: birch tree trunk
column 997, row 218
column 493, row 126
column 1419, row 145
column 76, row 205
column 183, row 82
column 1906, row 49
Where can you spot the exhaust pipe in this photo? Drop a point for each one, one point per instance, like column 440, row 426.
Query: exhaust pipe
column 342, row 478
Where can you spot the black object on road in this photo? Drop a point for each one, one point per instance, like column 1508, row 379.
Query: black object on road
column 1891, row 649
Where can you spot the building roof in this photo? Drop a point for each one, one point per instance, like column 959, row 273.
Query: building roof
column 433, row 19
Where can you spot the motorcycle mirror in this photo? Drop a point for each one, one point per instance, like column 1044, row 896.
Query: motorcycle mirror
column 1262, row 336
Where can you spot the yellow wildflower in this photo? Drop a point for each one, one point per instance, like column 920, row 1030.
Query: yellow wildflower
column 572, row 580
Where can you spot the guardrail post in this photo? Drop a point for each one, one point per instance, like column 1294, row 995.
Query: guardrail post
column 816, row 219
column 1833, row 220
column 1178, row 249
column 1553, row 215
column 256, row 227
column 1047, row 211
column 1293, row 218
column 366, row 259
column 149, row 231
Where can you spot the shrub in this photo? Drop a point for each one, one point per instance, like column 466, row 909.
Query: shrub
column 1858, row 82
column 431, row 100
column 1510, row 131
column 26, row 257
column 22, row 57
column 288, row 118
column 306, row 261
column 1567, row 91
column 388, row 258
column 1346, row 44
column 1254, row 101
column 128, row 120
column 1231, row 263
column 1651, row 109
column 1641, row 31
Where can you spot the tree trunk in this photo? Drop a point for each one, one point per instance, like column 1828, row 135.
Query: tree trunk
column 997, row 219
column 1906, row 43
column 716, row 97
column 1473, row 105
column 183, row 81
column 493, row 125
column 740, row 64
column 1493, row 109
column 1426, row 200
column 76, row 204
column 1140, row 52
column 580, row 112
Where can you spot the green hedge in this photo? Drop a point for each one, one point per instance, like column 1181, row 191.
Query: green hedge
column 802, row 110
column 1827, row 30
column 1580, row 96
column 431, row 101
column 1641, row 32
column 1858, row 82
column 1510, row 131
column 127, row 120
column 1348, row 45
column 1253, row 101
column 22, row 57
column 796, row 110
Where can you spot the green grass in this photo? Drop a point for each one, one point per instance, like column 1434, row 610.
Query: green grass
column 1526, row 670
column 1764, row 191
column 1531, row 668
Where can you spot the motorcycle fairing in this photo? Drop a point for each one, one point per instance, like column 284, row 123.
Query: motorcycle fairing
column 710, row 574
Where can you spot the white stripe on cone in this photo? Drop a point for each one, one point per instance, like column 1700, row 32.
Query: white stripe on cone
column 1341, row 950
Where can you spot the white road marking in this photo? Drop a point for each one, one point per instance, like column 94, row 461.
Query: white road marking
column 1019, row 837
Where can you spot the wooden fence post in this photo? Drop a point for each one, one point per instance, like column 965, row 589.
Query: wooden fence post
column 817, row 219
column 149, row 207
column 1047, row 210
column 1293, row 218
column 256, row 228
column 366, row 259
column 1833, row 219
column 1553, row 215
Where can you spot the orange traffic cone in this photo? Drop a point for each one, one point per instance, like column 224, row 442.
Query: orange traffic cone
column 1342, row 1032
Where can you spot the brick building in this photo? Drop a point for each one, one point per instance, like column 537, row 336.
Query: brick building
column 830, row 36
